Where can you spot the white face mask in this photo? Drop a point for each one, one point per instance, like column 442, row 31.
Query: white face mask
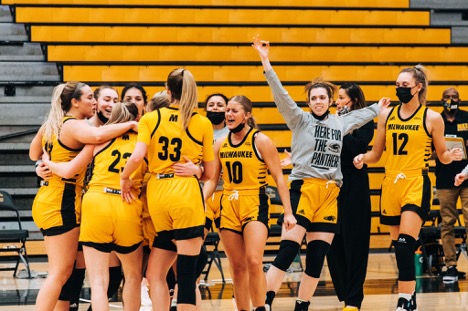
column 344, row 110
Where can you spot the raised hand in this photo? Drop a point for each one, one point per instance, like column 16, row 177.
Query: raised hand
column 262, row 46
column 263, row 49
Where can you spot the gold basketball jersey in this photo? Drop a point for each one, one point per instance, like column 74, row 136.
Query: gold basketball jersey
column 408, row 143
column 167, row 142
column 242, row 166
column 58, row 152
column 110, row 161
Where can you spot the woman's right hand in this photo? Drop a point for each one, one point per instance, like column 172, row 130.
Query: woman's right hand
column 43, row 171
column 359, row 161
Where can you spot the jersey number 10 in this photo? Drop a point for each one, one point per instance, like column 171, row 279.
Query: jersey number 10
column 234, row 171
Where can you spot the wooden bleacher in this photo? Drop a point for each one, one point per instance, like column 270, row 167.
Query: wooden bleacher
column 238, row 3
column 228, row 34
column 364, row 41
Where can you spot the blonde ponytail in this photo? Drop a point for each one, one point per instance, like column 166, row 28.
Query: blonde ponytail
column 54, row 121
column 183, row 88
column 61, row 103
column 189, row 98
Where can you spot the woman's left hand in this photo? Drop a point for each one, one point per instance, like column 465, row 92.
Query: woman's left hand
column 384, row 102
column 186, row 169
column 126, row 187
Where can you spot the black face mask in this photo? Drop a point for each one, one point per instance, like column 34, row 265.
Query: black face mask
column 404, row 94
column 238, row 128
column 101, row 117
column 216, row 117
column 323, row 116
column 450, row 105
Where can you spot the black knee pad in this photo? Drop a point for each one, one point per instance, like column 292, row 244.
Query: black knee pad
column 201, row 262
column 316, row 252
column 186, row 279
column 286, row 254
column 115, row 278
column 79, row 275
column 404, row 252
column 72, row 288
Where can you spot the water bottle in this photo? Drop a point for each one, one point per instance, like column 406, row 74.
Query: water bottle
column 418, row 262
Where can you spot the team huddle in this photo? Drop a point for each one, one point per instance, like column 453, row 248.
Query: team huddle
column 140, row 184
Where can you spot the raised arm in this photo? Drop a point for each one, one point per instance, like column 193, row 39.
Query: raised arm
column 270, row 155
column 357, row 118
column 291, row 112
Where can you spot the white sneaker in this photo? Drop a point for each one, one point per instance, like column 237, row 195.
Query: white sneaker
column 145, row 299
column 234, row 305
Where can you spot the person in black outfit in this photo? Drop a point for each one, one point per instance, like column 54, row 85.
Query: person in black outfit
column 348, row 254
column 456, row 125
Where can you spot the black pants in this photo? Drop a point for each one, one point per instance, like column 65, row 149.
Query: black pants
column 348, row 254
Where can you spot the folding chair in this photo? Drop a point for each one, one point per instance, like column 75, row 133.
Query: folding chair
column 431, row 247
column 429, row 237
column 212, row 241
column 14, row 238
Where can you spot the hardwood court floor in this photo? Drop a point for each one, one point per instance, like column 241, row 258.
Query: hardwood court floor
column 380, row 290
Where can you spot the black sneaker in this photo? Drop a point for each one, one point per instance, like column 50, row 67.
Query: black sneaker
column 270, row 296
column 404, row 305
column 413, row 302
column 451, row 276
column 301, row 305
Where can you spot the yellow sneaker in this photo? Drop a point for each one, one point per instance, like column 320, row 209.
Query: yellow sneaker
column 350, row 308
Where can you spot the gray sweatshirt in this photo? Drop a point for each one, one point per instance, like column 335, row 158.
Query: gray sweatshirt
column 316, row 144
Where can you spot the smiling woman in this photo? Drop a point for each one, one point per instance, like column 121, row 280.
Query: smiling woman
column 317, row 140
column 106, row 97
column 57, row 205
